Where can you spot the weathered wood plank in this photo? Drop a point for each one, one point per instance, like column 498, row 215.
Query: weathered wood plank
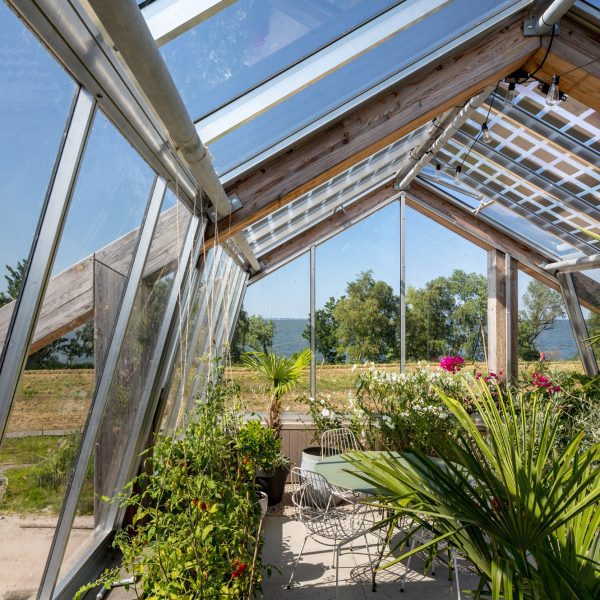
column 69, row 299
column 376, row 124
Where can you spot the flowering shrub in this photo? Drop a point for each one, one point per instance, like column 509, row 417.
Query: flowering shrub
column 543, row 382
column 402, row 411
column 453, row 364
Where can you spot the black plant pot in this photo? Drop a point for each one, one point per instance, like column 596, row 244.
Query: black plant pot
column 273, row 484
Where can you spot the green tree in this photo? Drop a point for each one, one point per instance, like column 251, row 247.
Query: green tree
column 594, row 331
column 367, row 319
column 445, row 317
column 252, row 333
column 238, row 342
column 326, row 332
column 14, row 279
column 542, row 306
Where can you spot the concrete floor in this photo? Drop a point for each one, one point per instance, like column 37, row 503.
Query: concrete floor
column 315, row 576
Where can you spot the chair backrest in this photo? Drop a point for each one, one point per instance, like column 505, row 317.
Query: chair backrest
column 338, row 441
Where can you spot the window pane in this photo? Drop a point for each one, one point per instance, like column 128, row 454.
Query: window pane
column 274, row 315
column 252, row 40
column 357, row 279
column 108, row 204
column 446, row 293
column 35, row 98
column 125, row 397
column 350, row 80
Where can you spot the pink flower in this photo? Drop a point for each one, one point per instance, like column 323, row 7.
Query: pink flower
column 452, row 363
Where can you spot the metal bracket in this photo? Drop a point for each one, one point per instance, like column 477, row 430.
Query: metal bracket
column 532, row 28
column 236, row 204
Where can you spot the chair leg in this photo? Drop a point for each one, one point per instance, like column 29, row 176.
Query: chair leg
column 289, row 585
column 338, row 550
column 412, row 545
column 333, row 553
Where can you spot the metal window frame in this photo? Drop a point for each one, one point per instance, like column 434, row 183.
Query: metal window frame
column 43, row 250
column 578, row 324
column 100, row 399
column 313, row 320
column 145, row 415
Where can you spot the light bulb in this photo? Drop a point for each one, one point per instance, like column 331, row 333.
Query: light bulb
column 486, row 135
column 553, row 94
column 458, row 174
column 438, row 171
column 511, row 93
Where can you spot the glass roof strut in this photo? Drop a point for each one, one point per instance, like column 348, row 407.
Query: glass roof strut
column 440, row 134
column 125, row 25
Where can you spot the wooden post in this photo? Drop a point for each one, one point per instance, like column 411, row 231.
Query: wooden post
column 503, row 313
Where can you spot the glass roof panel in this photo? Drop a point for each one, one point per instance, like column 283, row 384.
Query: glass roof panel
column 251, row 40
column 533, row 166
column 335, row 195
column 346, row 83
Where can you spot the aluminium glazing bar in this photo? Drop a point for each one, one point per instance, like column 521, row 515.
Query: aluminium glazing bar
column 103, row 385
column 402, row 283
column 168, row 19
column 574, row 264
column 577, row 321
column 45, row 245
column 313, row 322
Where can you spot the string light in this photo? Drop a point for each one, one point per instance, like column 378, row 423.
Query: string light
column 458, row 174
column 511, row 93
column 438, row 171
column 486, row 135
column 553, row 93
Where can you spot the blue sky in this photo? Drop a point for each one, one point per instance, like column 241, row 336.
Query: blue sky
column 431, row 251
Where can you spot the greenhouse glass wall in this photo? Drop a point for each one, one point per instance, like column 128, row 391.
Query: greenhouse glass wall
column 189, row 186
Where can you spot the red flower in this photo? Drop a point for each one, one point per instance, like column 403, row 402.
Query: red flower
column 452, row 363
column 239, row 571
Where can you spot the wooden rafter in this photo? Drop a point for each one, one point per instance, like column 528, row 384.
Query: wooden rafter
column 376, row 124
column 571, row 50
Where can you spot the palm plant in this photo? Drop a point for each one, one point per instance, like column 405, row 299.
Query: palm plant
column 282, row 373
column 525, row 516
column 595, row 339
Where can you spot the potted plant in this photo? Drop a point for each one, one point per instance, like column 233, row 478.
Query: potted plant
column 282, row 374
column 260, row 446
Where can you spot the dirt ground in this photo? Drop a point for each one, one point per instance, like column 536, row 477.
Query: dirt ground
column 24, row 546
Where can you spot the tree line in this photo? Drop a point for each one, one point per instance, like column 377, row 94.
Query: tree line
column 448, row 315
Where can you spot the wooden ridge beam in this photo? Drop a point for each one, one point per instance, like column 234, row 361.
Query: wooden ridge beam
column 376, row 124
column 575, row 46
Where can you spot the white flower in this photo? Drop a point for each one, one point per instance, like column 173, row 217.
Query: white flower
column 354, row 367
column 322, row 401
column 311, row 399
column 325, row 412
column 387, row 420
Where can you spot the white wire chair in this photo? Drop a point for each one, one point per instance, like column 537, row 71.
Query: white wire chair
column 338, row 441
column 314, row 504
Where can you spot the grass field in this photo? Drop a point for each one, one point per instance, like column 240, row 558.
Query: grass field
column 58, row 400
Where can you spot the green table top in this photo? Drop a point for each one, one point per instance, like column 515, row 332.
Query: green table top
column 339, row 472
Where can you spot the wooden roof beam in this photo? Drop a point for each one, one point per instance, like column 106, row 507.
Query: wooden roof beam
column 376, row 124
column 575, row 46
